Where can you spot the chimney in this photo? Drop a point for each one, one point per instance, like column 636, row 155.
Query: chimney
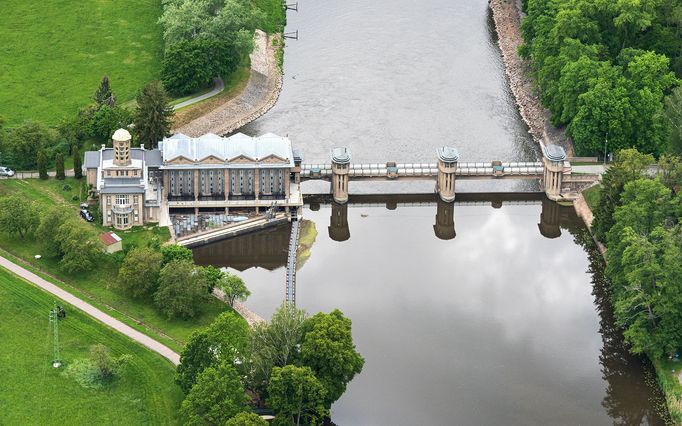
column 142, row 146
column 103, row 146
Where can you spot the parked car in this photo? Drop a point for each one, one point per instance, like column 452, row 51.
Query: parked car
column 85, row 214
column 6, row 171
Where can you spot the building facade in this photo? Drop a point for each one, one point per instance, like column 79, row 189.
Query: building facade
column 209, row 173
column 239, row 172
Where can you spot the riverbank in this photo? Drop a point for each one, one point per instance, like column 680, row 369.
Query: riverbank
column 506, row 16
column 670, row 384
column 255, row 98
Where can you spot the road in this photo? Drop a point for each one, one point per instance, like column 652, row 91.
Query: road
column 110, row 321
column 218, row 86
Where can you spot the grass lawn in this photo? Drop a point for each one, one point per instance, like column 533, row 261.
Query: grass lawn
column 32, row 392
column 592, row 196
column 96, row 286
column 54, row 54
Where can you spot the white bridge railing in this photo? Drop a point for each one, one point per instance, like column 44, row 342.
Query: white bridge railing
column 378, row 170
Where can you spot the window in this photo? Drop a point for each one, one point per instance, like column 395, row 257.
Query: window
column 122, row 199
column 122, row 220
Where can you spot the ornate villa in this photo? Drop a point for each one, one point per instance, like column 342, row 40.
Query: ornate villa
column 209, row 173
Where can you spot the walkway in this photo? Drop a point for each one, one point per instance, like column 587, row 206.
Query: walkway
column 218, row 86
column 112, row 322
column 290, row 285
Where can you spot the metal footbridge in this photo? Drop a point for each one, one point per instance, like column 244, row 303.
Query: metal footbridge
column 291, row 262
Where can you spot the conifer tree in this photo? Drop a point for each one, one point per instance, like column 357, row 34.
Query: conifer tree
column 42, row 165
column 77, row 163
column 154, row 115
column 104, row 95
column 59, row 165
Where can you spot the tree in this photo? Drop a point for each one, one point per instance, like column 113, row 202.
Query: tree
column 173, row 252
column 42, row 165
column 275, row 344
column 24, row 143
column 673, row 112
column 297, row 396
column 46, row 233
column 213, row 276
column 217, row 396
column 246, row 419
column 182, row 290
column 59, row 166
column 225, row 340
column 105, row 365
column 104, row 95
column 106, row 120
column 18, row 215
column 79, row 247
column 77, row 162
column 234, row 288
column 328, row 349
column 629, row 165
column 139, row 273
column 154, row 115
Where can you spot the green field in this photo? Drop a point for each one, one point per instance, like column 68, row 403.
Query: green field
column 54, row 54
column 32, row 392
column 96, row 286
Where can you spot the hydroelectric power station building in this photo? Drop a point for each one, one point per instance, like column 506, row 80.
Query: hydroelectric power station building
column 208, row 173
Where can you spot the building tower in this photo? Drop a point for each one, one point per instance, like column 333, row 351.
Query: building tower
column 340, row 168
column 447, row 167
column 553, row 158
column 121, row 139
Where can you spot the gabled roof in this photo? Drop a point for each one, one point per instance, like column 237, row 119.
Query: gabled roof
column 109, row 238
column 226, row 148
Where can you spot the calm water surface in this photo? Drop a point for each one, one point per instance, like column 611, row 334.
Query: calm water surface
column 499, row 325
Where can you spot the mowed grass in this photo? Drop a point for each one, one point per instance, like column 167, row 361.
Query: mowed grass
column 34, row 393
column 97, row 286
column 55, row 52
column 592, row 196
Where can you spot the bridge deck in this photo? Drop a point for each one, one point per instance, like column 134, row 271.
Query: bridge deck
column 424, row 170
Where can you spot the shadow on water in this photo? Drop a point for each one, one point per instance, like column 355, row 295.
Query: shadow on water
column 633, row 396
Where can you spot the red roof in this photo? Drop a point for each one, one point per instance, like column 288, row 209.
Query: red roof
column 109, row 238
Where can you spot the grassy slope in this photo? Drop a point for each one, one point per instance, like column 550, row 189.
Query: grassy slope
column 32, row 392
column 56, row 52
column 592, row 196
column 96, row 286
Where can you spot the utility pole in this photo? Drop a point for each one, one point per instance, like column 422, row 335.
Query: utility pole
column 54, row 319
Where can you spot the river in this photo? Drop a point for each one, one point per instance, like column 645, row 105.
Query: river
column 507, row 322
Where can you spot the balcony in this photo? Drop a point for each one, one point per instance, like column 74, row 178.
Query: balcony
column 242, row 197
column 122, row 208
column 272, row 197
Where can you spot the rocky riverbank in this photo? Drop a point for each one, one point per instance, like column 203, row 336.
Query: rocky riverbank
column 507, row 19
column 258, row 96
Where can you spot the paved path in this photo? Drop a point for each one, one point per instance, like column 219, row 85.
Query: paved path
column 36, row 175
column 218, row 86
column 112, row 322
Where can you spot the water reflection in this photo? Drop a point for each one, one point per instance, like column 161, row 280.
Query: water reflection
column 495, row 326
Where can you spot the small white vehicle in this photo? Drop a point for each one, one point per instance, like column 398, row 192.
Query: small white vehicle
column 6, row 171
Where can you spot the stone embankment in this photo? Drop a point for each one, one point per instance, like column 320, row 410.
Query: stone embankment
column 251, row 317
column 259, row 95
column 507, row 18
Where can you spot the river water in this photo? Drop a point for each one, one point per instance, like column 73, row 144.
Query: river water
column 490, row 312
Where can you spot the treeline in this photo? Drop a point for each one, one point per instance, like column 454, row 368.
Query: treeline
column 638, row 216
column 33, row 145
column 607, row 70
column 296, row 365
column 207, row 39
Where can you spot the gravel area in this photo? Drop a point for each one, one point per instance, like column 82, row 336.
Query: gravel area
column 507, row 18
column 259, row 95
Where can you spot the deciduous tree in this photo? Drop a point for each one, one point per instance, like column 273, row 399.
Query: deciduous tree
column 216, row 396
column 234, row 288
column 246, row 419
column 139, row 273
column 328, row 349
column 18, row 215
column 182, row 290
column 297, row 396
column 172, row 252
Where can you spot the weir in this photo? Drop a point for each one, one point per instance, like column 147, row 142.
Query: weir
column 554, row 172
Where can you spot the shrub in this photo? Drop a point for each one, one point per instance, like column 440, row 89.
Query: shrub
column 66, row 187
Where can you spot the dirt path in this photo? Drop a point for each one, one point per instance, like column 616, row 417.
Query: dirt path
column 110, row 321
column 259, row 95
